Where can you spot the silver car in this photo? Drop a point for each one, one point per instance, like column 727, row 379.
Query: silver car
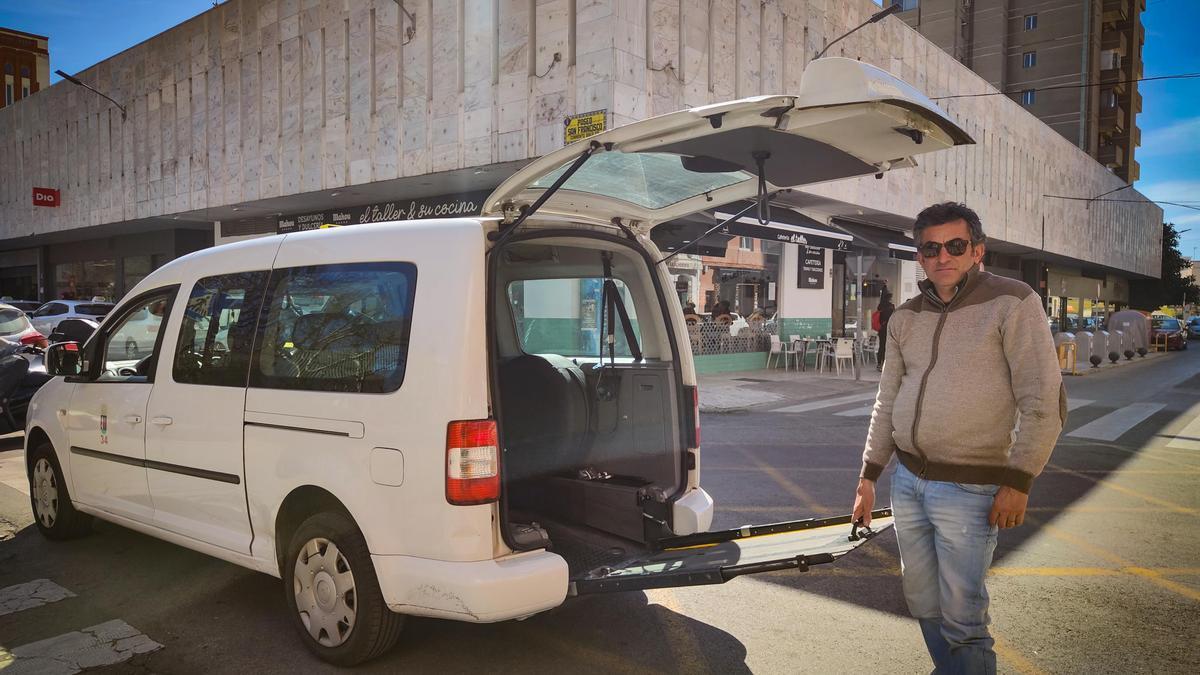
column 46, row 318
column 16, row 327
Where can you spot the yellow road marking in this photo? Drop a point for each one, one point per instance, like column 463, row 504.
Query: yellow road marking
column 1054, row 572
column 1018, row 661
column 1176, row 571
column 1125, row 565
column 1156, row 579
column 1033, row 509
column 1133, row 493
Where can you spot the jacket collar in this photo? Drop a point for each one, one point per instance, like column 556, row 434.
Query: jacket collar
column 962, row 289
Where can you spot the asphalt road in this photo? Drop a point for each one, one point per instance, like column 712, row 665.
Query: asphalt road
column 1104, row 576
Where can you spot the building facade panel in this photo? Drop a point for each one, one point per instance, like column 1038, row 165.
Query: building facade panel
column 258, row 100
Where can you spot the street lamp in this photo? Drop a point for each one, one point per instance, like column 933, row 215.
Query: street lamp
column 75, row 80
column 875, row 18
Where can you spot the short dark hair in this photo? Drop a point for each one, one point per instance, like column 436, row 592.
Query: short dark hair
column 948, row 212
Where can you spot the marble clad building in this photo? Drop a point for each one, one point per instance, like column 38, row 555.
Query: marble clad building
column 258, row 110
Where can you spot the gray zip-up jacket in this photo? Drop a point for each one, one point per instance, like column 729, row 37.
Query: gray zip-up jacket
column 958, row 377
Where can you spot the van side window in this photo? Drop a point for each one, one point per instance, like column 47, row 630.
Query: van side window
column 215, row 337
column 130, row 348
column 335, row 328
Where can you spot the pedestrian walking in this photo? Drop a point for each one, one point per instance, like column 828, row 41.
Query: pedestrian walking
column 969, row 356
column 885, row 310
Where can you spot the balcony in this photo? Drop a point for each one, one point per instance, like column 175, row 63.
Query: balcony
column 1112, row 120
column 1115, row 40
column 1117, row 78
column 1111, row 156
column 1137, row 102
column 1116, row 10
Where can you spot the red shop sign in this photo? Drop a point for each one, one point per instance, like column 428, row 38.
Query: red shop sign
column 45, row 197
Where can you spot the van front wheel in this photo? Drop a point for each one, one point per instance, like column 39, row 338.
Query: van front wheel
column 53, row 512
column 333, row 592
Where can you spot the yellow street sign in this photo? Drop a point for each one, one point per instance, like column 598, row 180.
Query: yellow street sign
column 579, row 127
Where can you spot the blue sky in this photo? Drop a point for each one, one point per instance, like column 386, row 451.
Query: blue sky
column 83, row 32
column 1170, row 119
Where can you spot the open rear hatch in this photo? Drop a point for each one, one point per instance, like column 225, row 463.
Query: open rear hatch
column 619, row 531
column 717, row 557
column 848, row 119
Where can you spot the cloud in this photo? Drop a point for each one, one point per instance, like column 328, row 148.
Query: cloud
column 1182, row 137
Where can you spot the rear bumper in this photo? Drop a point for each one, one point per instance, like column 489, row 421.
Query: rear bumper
column 480, row 592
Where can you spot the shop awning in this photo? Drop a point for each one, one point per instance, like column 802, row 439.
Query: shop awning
column 787, row 226
column 894, row 243
column 676, row 234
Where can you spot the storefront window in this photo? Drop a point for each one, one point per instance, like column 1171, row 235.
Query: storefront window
column 854, row 302
column 86, row 280
column 138, row 267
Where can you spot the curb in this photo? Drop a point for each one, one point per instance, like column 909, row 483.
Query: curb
column 1084, row 369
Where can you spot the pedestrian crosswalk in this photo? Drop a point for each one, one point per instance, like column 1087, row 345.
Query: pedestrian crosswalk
column 1108, row 427
column 1116, row 423
column 104, row 644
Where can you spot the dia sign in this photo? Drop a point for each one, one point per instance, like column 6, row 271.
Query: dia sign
column 45, row 197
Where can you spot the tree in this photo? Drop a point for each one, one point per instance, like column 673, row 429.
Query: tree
column 1171, row 288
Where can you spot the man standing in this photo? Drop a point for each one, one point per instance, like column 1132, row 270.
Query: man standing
column 971, row 402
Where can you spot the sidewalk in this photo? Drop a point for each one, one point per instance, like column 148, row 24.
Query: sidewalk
column 771, row 388
column 775, row 388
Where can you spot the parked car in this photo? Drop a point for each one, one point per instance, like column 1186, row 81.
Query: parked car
column 350, row 444
column 15, row 326
column 46, row 317
column 1168, row 330
column 138, row 334
column 27, row 306
column 1193, row 327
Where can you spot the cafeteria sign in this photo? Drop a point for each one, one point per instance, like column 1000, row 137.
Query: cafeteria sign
column 579, row 127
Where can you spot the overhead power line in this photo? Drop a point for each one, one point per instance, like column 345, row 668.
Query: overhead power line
column 1184, row 76
column 1127, row 201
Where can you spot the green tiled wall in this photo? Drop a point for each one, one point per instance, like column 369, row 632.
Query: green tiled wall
column 805, row 327
column 725, row 363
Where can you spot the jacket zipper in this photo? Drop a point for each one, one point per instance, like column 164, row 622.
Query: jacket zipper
column 937, row 337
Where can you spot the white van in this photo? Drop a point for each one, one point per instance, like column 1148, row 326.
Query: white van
column 469, row 418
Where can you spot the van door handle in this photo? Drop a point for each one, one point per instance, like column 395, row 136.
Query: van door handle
column 133, row 419
column 161, row 421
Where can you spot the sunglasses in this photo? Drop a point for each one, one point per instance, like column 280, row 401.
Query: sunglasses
column 954, row 247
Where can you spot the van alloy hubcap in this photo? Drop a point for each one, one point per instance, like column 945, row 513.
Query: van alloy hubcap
column 325, row 594
column 45, row 493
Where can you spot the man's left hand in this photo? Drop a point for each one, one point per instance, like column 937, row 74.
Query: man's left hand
column 1008, row 509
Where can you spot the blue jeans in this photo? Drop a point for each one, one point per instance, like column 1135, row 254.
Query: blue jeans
column 946, row 547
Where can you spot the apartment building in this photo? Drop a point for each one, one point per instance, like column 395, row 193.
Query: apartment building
column 24, row 64
column 1040, row 51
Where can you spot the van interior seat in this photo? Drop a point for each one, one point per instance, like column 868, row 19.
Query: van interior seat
column 546, row 415
column 338, row 345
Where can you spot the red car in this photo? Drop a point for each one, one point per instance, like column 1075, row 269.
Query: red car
column 1171, row 330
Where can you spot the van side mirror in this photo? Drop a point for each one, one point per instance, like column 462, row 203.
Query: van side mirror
column 63, row 358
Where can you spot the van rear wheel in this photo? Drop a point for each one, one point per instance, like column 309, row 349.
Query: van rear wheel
column 333, row 592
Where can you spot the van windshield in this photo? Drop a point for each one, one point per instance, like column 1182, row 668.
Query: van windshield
column 562, row 316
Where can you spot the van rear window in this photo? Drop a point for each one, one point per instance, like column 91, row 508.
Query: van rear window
column 335, row 328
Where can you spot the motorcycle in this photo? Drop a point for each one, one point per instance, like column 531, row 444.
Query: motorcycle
column 23, row 371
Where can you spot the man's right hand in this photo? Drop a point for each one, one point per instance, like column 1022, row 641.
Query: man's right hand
column 864, row 501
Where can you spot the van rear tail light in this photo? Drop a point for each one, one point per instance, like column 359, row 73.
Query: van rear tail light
column 472, row 462
column 693, row 440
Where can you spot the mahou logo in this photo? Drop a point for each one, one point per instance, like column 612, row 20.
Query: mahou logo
column 45, row 196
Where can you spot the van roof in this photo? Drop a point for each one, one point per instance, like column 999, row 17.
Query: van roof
column 210, row 259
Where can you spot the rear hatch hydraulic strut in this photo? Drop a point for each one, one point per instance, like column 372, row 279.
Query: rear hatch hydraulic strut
column 500, row 236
